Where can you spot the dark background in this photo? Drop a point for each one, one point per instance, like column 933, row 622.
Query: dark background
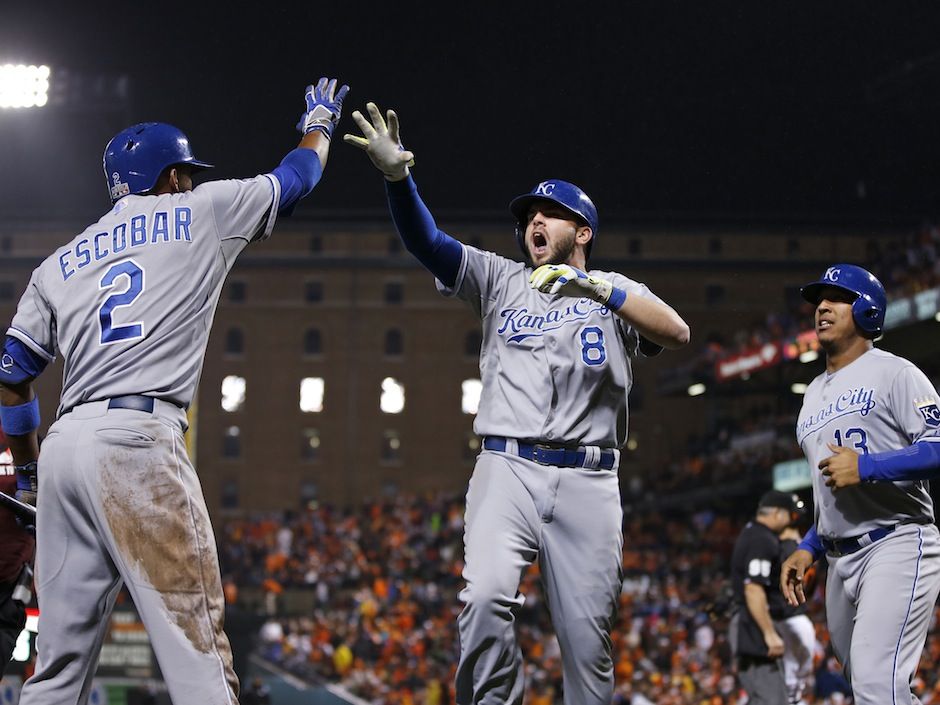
column 663, row 108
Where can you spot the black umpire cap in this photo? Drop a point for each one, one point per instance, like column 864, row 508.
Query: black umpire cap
column 781, row 500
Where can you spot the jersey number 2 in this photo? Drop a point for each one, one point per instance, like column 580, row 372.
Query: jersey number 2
column 135, row 286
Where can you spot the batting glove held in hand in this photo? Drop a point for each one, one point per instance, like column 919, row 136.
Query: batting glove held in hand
column 324, row 106
column 382, row 143
column 26, row 483
column 568, row 281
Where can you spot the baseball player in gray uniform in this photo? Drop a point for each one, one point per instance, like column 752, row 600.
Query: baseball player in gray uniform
column 128, row 304
column 870, row 425
column 558, row 342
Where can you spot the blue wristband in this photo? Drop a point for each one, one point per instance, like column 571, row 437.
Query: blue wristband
column 812, row 544
column 617, row 297
column 20, row 420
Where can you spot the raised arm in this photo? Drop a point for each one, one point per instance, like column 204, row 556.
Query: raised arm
column 436, row 250
column 301, row 169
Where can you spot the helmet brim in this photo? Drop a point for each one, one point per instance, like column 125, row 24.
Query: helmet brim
column 812, row 292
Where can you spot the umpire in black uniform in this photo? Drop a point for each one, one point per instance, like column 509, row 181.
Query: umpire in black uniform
column 755, row 575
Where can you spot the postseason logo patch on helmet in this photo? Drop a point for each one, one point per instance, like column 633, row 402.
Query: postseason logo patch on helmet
column 929, row 410
column 118, row 188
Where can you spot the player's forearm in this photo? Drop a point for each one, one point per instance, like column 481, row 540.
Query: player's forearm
column 920, row 461
column 755, row 597
column 19, row 416
column 812, row 544
column 436, row 250
column 656, row 322
column 319, row 143
column 298, row 173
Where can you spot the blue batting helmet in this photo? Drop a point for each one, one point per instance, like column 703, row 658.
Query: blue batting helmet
column 135, row 157
column 870, row 303
column 565, row 194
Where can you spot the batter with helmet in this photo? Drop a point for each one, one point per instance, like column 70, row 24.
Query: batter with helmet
column 870, row 430
column 558, row 344
column 128, row 303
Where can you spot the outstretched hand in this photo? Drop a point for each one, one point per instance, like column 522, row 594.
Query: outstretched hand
column 382, row 142
column 324, row 107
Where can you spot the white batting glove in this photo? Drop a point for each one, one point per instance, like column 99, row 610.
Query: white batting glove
column 382, row 143
column 568, row 281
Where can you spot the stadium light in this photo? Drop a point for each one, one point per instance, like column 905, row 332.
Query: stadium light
column 696, row 389
column 809, row 356
column 798, row 388
column 936, row 316
column 23, row 86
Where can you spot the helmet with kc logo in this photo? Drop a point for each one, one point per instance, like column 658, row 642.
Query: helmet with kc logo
column 565, row 194
column 870, row 303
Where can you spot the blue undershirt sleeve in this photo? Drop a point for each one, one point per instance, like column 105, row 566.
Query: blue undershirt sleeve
column 812, row 543
column 920, row 461
column 18, row 363
column 299, row 171
column 436, row 250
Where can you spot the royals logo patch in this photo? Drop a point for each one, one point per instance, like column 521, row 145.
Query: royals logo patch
column 929, row 410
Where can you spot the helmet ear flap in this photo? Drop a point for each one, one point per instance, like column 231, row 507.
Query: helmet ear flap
column 867, row 315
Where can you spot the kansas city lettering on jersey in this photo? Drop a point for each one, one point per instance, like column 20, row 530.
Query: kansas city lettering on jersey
column 135, row 233
column 520, row 324
column 852, row 401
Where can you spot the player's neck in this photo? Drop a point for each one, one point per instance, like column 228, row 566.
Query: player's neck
column 839, row 356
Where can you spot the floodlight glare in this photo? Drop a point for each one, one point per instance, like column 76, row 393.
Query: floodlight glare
column 695, row 390
column 798, row 388
column 23, row 86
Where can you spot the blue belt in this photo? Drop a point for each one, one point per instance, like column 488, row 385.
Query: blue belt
column 544, row 454
column 843, row 547
column 135, row 402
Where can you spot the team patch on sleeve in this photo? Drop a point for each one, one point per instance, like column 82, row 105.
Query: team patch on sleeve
column 929, row 410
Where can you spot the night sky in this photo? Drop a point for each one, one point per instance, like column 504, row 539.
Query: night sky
column 660, row 109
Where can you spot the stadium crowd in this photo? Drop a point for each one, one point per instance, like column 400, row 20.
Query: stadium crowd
column 384, row 580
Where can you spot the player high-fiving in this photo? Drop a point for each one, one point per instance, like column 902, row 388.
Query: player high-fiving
column 558, row 344
column 129, row 303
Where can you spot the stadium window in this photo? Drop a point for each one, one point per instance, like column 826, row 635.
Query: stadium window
column 236, row 291
column 234, row 341
column 714, row 246
column 7, row 291
column 316, row 243
column 313, row 292
column 394, row 292
column 312, row 390
column 394, row 343
column 233, row 393
column 391, row 447
column 6, row 244
column 714, row 294
column 470, row 395
column 308, row 493
column 232, row 442
column 472, row 343
column 313, row 344
column 793, row 246
column 392, row 400
column 310, row 444
column 471, row 446
column 635, row 246
column 229, row 498
column 394, row 245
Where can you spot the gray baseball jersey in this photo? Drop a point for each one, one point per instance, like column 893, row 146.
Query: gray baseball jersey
column 554, row 368
column 874, row 404
column 130, row 301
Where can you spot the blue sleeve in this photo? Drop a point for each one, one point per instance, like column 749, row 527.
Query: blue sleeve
column 812, row 543
column 298, row 172
column 920, row 461
column 436, row 250
column 18, row 363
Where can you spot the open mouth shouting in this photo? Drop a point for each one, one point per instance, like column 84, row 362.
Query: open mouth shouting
column 539, row 245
